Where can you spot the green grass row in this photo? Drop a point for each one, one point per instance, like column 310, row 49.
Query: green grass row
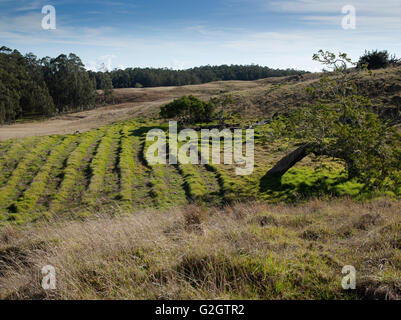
column 5, row 145
column 98, row 166
column 25, row 170
column 159, row 191
column 71, row 170
column 28, row 201
column 226, row 183
column 193, row 181
column 126, row 165
column 12, row 156
column 158, row 185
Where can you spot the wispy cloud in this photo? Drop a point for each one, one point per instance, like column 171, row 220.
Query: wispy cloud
column 32, row 5
column 373, row 7
column 371, row 14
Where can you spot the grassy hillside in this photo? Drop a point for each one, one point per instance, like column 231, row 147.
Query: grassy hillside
column 284, row 94
column 116, row 226
column 262, row 98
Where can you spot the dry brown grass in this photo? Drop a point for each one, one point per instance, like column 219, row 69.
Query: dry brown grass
column 249, row 250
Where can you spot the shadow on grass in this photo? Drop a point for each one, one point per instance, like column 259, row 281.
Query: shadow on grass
column 295, row 185
column 142, row 131
column 141, row 134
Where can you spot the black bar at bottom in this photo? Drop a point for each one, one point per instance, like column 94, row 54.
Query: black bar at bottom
column 215, row 309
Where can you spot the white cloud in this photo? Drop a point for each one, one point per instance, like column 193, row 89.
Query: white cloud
column 212, row 32
column 179, row 65
column 30, row 5
column 29, row 23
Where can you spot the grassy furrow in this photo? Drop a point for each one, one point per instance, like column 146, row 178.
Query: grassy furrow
column 211, row 183
column 226, row 183
column 54, row 180
column 5, row 147
column 126, row 165
column 193, row 181
column 158, row 187
column 71, row 171
column 111, row 184
column 159, row 191
column 98, row 166
column 140, row 189
column 27, row 203
column 25, row 168
column 14, row 153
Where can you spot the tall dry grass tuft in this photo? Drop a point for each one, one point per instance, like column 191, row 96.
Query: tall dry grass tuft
column 248, row 250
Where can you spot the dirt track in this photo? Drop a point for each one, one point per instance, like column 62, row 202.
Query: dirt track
column 80, row 121
column 132, row 103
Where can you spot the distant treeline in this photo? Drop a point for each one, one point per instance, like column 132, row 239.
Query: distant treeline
column 32, row 86
column 156, row 77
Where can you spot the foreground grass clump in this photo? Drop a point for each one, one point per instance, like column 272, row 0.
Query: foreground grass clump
column 249, row 251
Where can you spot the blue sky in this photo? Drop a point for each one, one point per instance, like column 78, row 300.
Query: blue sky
column 181, row 34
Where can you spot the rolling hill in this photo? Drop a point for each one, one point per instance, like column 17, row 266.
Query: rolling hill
column 80, row 181
column 253, row 100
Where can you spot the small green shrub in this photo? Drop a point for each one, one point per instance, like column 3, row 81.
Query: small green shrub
column 188, row 109
column 374, row 59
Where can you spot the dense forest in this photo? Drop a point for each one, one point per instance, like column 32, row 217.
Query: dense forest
column 156, row 77
column 32, row 86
